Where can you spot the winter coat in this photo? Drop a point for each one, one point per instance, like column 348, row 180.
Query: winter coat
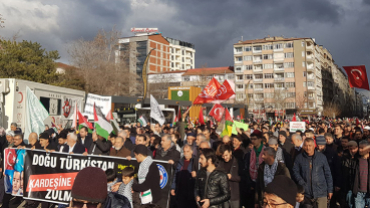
column 234, row 180
column 123, row 152
column 322, row 182
column 102, row 147
column 216, row 190
column 183, row 184
column 115, row 200
column 334, row 164
column 356, row 183
column 260, row 183
column 172, row 154
column 349, row 166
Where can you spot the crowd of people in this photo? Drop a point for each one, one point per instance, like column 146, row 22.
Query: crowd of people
column 265, row 165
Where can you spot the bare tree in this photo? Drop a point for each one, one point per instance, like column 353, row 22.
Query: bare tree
column 159, row 86
column 279, row 98
column 332, row 110
column 2, row 21
column 95, row 61
column 301, row 101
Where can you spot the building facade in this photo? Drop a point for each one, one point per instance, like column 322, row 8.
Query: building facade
column 284, row 74
column 182, row 55
column 200, row 77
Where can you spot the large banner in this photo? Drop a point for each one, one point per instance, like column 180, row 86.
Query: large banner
column 49, row 177
column 103, row 102
column 295, row 126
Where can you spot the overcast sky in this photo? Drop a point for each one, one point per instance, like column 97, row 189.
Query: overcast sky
column 213, row 26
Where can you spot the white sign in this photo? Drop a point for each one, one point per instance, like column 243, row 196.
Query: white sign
column 103, row 102
column 144, row 30
column 124, row 40
column 295, row 126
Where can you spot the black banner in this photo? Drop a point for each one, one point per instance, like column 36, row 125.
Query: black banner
column 49, row 176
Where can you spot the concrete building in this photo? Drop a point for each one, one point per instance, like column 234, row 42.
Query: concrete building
column 182, row 55
column 201, row 76
column 283, row 74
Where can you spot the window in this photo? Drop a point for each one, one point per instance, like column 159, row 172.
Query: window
column 183, row 52
column 250, row 86
column 238, row 59
column 288, row 45
column 268, row 66
column 248, row 48
column 183, row 67
column 304, row 74
column 172, row 65
column 250, row 95
column 238, row 50
column 258, row 86
column 290, row 105
column 289, row 65
column 258, row 76
column 302, row 43
column 290, row 84
column 172, row 51
column 303, row 64
column 269, row 85
column 278, row 46
column 269, row 76
column 289, row 74
column 239, row 86
column 239, row 77
column 183, row 59
column 269, row 95
column 239, row 96
column 230, row 76
column 279, row 85
column 187, row 78
column 310, row 84
column 289, row 55
column 248, row 67
column 257, row 48
column 267, row 56
column 303, row 53
column 258, row 67
column 290, row 94
column 267, row 47
column 172, row 58
column 247, row 58
column 249, row 76
column 238, row 69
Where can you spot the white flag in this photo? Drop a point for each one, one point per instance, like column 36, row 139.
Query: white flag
column 35, row 114
column 155, row 111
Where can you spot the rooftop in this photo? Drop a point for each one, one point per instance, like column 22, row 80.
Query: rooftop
column 210, row 71
column 269, row 39
column 169, row 72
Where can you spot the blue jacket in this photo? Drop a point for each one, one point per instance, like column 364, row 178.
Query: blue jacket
column 322, row 182
column 180, row 164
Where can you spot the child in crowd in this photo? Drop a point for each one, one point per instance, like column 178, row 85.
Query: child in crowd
column 302, row 202
column 111, row 179
column 124, row 188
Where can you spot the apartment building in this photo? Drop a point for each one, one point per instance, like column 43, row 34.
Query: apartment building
column 200, row 77
column 283, row 74
column 182, row 55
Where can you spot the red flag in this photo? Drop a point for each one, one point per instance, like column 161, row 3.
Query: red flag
column 228, row 116
column 357, row 122
column 217, row 111
column 179, row 114
column 201, row 118
column 294, row 118
column 208, row 93
column 357, row 76
column 225, row 91
column 83, row 120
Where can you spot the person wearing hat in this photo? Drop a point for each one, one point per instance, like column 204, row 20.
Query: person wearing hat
column 148, row 176
column 281, row 191
column 285, row 142
column 267, row 171
column 281, row 155
column 311, row 170
column 86, row 192
column 45, row 143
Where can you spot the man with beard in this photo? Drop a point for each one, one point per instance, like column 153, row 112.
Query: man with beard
column 119, row 150
column 168, row 151
column 211, row 186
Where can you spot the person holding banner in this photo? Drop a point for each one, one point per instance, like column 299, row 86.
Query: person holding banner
column 73, row 147
column 100, row 145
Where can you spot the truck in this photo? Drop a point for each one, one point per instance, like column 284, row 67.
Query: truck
column 58, row 101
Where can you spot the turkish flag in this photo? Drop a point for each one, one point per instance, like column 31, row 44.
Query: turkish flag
column 208, row 93
column 294, row 118
column 357, row 76
column 83, row 120
column 225, row 91
column 217, row 111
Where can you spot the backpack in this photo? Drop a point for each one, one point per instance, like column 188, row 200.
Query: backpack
column 115, row 200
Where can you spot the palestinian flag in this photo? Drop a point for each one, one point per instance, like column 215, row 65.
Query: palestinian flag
column 102, row 126
column 83, row 122
column 226, row 124
column 113, row 122
column 178, row 117
column 143, row 121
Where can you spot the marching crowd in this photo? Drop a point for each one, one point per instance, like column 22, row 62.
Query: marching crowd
column 265, row 165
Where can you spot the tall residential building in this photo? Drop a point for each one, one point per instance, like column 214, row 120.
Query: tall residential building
column 182, row 55
column 283, row 74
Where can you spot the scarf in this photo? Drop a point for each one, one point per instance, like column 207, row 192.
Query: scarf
column 279, row 155
column 253, row 163
column 146, row 196
column 269, row 173
column 125, row 190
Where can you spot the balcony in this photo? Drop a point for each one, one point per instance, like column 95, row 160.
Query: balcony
column 311, row 88
column 257, row 51
column 258, row 80
column 279, row 79
column 311, row 98
column 310, row 47
column 258, row 99
column 258, row 89
column 240, row 89
column 239, row 80
column 236, row 51
column 257, row 70
column 311, row 77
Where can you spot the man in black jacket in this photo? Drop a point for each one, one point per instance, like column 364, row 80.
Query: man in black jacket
column 84, row 137
column 349, row 165
column 100, row 145
column 211, row 186
column 73, row 147
column 168, row 151
column 148, row 176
